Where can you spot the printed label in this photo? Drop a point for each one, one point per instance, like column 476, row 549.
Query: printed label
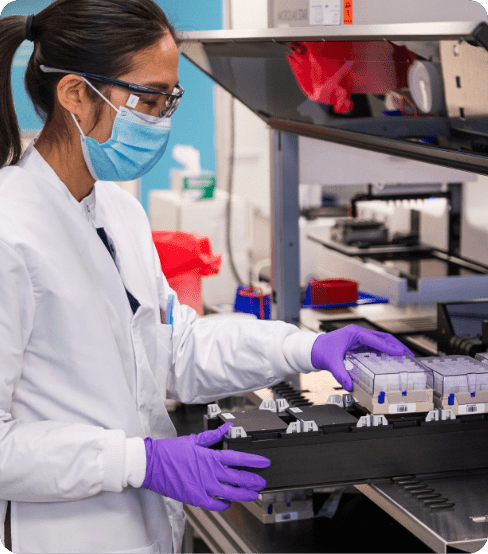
column 467, row 409
column 285, row 16
column 228, row 416
column 348, row 12
column 402, row 408
column 133, row 101
column 286, row 516
column 325, row 13
column 296, row 410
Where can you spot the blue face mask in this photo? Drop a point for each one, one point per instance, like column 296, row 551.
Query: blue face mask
column 137, row 144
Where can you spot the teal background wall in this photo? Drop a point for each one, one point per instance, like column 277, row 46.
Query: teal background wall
column 192, row 124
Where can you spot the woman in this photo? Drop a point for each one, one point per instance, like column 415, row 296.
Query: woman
column 89, row 459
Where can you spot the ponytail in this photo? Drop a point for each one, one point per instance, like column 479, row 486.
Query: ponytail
column 88, row 36
column 12, row 35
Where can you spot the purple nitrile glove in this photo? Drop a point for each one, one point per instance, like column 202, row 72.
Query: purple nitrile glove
column 184, row 469
column 329, row 350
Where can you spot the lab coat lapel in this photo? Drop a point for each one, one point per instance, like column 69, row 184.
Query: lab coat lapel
column 125, row 247
column 144, row 326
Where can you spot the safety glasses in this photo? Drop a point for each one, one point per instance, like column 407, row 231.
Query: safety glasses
column 172, row 101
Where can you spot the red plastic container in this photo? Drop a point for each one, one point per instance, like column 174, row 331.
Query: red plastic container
column 330, row 72
column 334, row 291
column 185, row 259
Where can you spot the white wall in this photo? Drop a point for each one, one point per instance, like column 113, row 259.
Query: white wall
column 474, row 230
column 335, row 164
column 252, row 171
column 252, row 151
column 248, row 14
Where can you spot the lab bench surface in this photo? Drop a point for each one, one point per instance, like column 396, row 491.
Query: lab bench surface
column 359, row 525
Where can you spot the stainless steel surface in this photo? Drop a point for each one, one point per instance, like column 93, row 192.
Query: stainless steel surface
column 464, row 527
column 442, row 529
column 285, row 243
column 218, row 534
column 399, row 31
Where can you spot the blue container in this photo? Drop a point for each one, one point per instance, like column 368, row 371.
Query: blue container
column 252, row 305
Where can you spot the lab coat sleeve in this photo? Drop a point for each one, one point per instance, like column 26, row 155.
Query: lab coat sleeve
column 215, row 358
column 44, row 461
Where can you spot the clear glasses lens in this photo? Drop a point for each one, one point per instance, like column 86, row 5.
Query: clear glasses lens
column 155, row 104
column 172, row 102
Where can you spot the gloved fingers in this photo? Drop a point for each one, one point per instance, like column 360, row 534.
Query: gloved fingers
column 346, row 381
column 240, row 478
column 339, row 371
column 381, row 341
column 234, row 494
column 235, row 458
column 217, row 504
column 209, row 438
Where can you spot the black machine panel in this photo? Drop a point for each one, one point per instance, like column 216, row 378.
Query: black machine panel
column 343, row 453
column 463, row 327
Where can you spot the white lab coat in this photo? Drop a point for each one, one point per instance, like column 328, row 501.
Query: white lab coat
column 81, row 376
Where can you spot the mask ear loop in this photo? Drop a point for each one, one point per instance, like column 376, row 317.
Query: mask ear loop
column 100, row 94
column 78, row 125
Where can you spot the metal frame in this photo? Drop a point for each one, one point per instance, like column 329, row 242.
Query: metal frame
column 462, row 161
column 285, row 212
column 450, row 30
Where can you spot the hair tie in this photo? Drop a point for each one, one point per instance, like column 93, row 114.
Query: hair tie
column 28, row 28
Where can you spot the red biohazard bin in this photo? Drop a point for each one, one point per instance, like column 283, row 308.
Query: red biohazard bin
column 334, row 291
column 185, row 259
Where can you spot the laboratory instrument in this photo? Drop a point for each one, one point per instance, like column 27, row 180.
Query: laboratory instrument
column 462, row 327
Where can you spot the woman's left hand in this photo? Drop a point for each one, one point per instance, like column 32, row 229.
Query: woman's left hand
column 329, row 350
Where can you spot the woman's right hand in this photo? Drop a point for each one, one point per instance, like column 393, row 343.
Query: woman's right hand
column 185, row 469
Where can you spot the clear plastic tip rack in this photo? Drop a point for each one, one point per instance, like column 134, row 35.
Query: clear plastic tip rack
column 460, row 383
column 386, row 384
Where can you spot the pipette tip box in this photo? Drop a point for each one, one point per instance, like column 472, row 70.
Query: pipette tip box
column 460, row 383
column 386, row 384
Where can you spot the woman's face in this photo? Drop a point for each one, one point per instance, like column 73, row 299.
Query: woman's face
column 155, row 67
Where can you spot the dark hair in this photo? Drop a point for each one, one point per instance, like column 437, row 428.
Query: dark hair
column 93, row 36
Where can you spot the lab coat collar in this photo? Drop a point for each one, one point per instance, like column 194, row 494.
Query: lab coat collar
column 33, row 162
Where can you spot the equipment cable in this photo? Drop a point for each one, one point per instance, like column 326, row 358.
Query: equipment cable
column 230, row 183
